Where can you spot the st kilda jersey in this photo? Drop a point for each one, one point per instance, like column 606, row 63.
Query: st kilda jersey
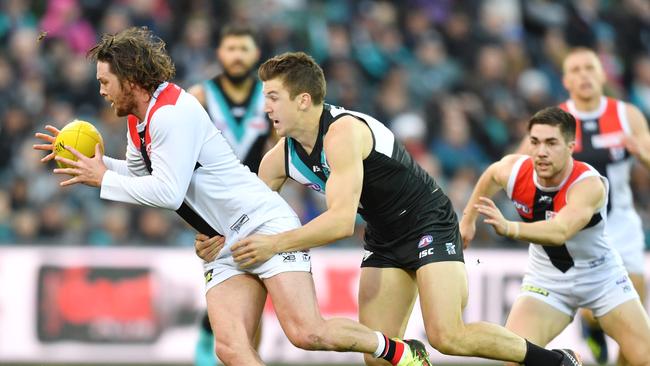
column 177, row 159
column 534, row 202
column 598, row 142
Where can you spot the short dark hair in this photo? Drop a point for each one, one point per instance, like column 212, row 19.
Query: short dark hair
column 555, row 116
column 577, row 50
column 299, row 73
column 136, row 55
column 237, row 30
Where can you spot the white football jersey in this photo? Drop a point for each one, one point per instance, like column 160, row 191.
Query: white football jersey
column 191, row 163
column 588, row 248
column 599, row 135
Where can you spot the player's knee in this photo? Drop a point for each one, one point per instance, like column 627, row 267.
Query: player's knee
column 225, row 353
column 229, row 352
column 305, row 338
column 445, row 341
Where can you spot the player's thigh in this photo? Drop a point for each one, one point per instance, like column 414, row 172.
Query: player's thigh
column 535, row 320
column 294, row 300
column 588, row 316
column 443, row 295
column 235, row 307
column 638, row 281
column 386, row 298
column 629, row 325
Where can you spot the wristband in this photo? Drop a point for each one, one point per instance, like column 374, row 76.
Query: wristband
column 514, row 233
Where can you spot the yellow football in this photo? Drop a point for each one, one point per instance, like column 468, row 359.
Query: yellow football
column 82, row 136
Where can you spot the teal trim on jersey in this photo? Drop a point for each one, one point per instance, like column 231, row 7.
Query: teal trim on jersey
column 323, row 163
column 251, row 111
column 302, row 168
column 236, row 128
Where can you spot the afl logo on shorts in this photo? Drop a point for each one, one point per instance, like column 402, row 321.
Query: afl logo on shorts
column 314, row 186
column 425, row 240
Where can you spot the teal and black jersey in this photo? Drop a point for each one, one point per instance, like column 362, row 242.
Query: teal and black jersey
column 245, row 126
column 397, row 193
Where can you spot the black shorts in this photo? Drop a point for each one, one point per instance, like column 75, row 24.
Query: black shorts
column 427, row 239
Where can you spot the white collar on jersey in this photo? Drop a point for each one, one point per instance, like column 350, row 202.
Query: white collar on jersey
column 159, row 90
column 552, row 189
column 587, row 115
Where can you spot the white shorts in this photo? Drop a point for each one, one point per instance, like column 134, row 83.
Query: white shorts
column 600, row 288
column 625, row 233
column 225, row 267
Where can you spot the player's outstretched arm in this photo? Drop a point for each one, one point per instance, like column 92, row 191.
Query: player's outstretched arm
column 491, row 181
column 172, row 167
column 344, row 147
column 584, row 199
column 638, row 142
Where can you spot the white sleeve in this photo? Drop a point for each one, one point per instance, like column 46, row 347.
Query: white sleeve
column 175, row 147
column 117, row 165
column 132, row 166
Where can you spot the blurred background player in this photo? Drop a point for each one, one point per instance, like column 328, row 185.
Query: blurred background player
column 609, row 134
column 235, row 104
column 234, row 97
column 563, row 205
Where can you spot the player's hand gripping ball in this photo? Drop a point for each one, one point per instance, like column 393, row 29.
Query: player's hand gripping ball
column 80, row 135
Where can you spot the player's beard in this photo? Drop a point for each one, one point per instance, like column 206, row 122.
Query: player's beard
column 237, row 80
column 125, row 104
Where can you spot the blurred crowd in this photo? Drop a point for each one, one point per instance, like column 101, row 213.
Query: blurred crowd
column 456, row 81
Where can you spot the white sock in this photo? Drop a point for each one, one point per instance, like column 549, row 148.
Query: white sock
column 381, row 345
